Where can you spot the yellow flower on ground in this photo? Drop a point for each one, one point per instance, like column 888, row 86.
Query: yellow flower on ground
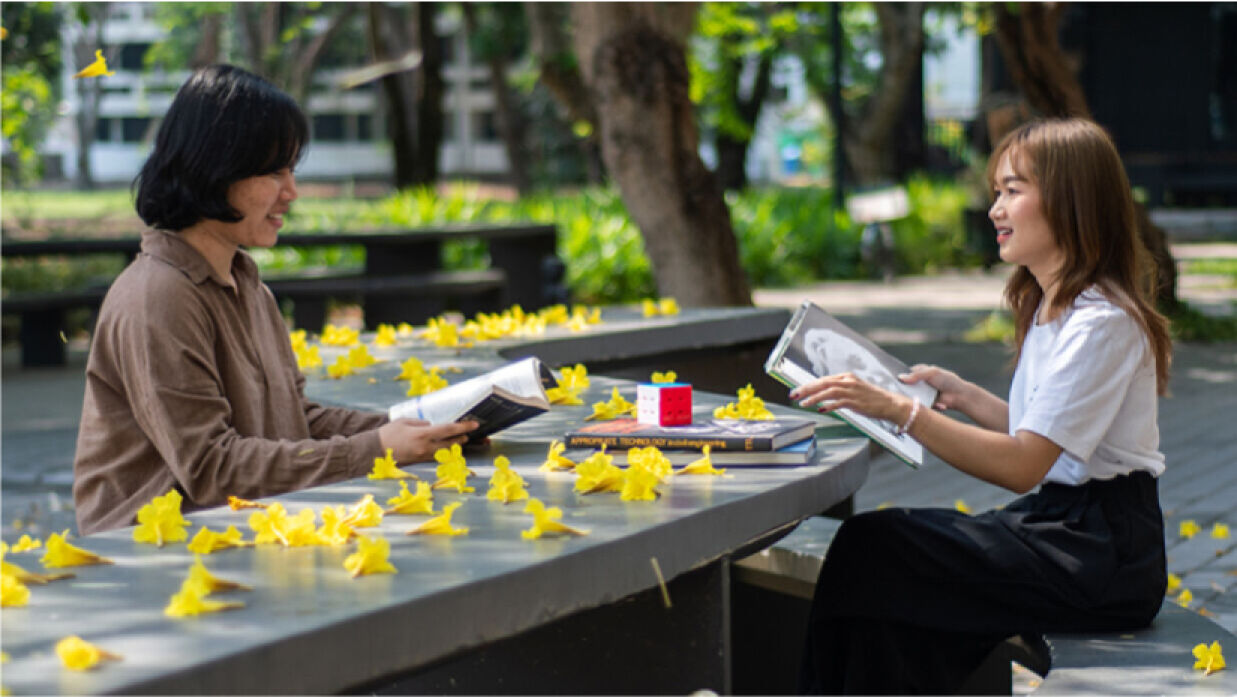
column 341, row 368
column 748, row 407
column 96, row 69
column 160, row 520
column 207, row 540
column 77, row 654
column 452, row 470
column 408, row 503
column 1209, row 658
column 546, row 521
column 13, row 593
column 1174, row 582
column 598, row 474
column 371, row 557
column 1189, row 529
column 208, row 582
column 506, row 485
column 26, row 543
column 638, row 485
column 191, row 600
column 554, row 460
column 365, row 513
column 1185, row 598
column 668, row 376
column 441, row 524
column 702, row 466
column 1219, row 531
column 385, row 468
column 616, row 407
column 340, row 336
column 236, row 503
column 60, row 554
column 961, row 507
column 385, row 336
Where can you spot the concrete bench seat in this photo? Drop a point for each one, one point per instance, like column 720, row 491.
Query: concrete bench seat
column 1155, row 660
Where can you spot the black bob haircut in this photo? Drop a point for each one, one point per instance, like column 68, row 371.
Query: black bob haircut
column 225, row 124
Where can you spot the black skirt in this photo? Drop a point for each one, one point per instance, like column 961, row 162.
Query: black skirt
column 912, row 600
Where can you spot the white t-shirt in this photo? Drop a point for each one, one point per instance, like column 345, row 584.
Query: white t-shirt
column 1086, row 381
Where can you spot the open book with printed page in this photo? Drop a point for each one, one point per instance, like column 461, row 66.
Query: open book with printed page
column 496, row 400
column 815, row 344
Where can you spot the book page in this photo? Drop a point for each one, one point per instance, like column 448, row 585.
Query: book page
column 521, row 378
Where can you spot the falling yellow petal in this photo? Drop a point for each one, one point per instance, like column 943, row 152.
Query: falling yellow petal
column 1219, row 531
column 546, row 521
column 440, row 525
column 160, row 521
column 96, row 69
column 13, row 593
column 60, row 554
column 408, row 503
column 371, row 557
column 77, row 654
column 1209, row 658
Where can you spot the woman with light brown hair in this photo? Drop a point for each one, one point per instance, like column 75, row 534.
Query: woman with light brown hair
column 912, row 600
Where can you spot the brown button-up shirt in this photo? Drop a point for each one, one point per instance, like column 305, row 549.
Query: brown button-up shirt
column 192, row 385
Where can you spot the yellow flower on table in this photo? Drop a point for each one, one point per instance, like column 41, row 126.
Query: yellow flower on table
column 616, row 407
column 275, row 525
column 308, row 357
column 426, row 382
column 441, row 524
column 410, row 368
column 1174, row 582
column 554, row 460
column 702, row 466
column 96, row 69
column 546, row 521
column 1209, row 658
column 335, row 530
column 639, row 485
column 452, row 470
column 668, row 306
column 668, row 376
column 562, row 395
column 408, row 503
column 23, row 576
column 191, row 600
column 26, row 543
column 160, row 520
column 340, row 336
column 365, row 513
column 60, row 554
column 371, row 557
column 1219, row 531
column 207, row 540
column 597, row 474
column 341, row 368
column 650, row 459
column 385, row 468
column 208, row 582
column 506, row 485
column 13, row 593
column 441, row 333
column 961, row 507
column 385, row 336
column 359, row 357
column 236, row 503
column 1189, row 528
column 574, row 378
column 78, row 654
column 1185, row 598
column 749, row 407
column 648, row 306
column 299, row 339
column 404, row 329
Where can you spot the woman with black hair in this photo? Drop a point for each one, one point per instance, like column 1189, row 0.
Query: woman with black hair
column 910, row 601
column 191, row 381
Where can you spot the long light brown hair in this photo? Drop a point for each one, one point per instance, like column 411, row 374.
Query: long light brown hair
column 1087, row 202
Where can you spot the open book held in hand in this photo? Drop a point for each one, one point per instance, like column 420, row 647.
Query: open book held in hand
column 815, row 344
column 500, row 398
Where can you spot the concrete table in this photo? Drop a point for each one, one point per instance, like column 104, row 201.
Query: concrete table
column 487, row 612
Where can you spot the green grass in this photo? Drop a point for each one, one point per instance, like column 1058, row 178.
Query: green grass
column 1213, row 267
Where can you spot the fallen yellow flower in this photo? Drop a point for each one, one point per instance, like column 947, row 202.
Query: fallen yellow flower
column 668, row 376
column 961, row 507
column 440, row 525
column 574, row 378
column 371, row 557
column 207, row 540
column 341, row 368
column 616, row 407
column 408, row 503
column 26, row 543
column 1184, row 599
column 364, row 514
column 1209, row 658
column 10, row 569
column 554, row 460
column 13, row 593
column 208, row 582
column 274, row 525
column 650, row 459
column 452, row 470
column 1189, row 529
column 359, row 357
column 668, row 306
column 562, row 395
column 77, row 654
column 638, row 485
column 308, row 357
column 340, row 336
column 749, row 407
column 546, row 521
column 385, row 336
column 191, row 600
column 702, row 466
column 426, row 382
column 385, row 468
column 506, row 485
column 441, row 333
column 648, row 307
column 1219, row 531
column 237, row 503
column 298, row 339
column 161, row 521
column 96, row 69
column 598, row 474
column 60, row 554
column 1174, row 582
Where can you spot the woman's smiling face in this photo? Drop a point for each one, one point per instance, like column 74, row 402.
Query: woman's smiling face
column 1022, row 230
column 262, row 200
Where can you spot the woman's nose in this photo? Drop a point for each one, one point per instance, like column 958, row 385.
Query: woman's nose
column 290, row 187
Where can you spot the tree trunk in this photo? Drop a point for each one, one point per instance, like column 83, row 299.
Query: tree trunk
column 430, row 90
column 510, row 122
column 390, row 39
column 732, row 151
column 634, row 63
column 1045, row 75
column 208, row 48
column 87, row 118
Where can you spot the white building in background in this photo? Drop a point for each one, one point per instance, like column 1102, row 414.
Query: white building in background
column 348, row 126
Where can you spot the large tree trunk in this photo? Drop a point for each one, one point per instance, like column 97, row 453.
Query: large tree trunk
column 86, row 119
column 430, row 92
column 633, row 59
column 732, row 151
column 1048, row 79
column 209, row 45
column 510, row 122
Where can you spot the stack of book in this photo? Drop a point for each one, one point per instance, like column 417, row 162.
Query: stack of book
column 785, row 441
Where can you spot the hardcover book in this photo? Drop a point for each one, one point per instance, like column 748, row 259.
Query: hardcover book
column 719, row 434
column 815, row 344
column 496, row 400
column 805, row 452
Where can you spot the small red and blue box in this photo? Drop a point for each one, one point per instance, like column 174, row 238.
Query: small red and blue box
column 664, row 404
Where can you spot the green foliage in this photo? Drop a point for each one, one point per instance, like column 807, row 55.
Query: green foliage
column 932, row 237
column 1188, row 324
column 1214, row 267
column 998, row 326
column 182, row 24
column 31, row 61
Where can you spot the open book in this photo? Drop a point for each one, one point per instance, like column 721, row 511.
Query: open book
column 814, row 344
column 500, row 398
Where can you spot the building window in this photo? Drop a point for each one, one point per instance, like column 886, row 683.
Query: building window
column 364, row 127
column 133, row 130
column 103, row 130
column 131, row 56
column 485, row 129
column 329, row 127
